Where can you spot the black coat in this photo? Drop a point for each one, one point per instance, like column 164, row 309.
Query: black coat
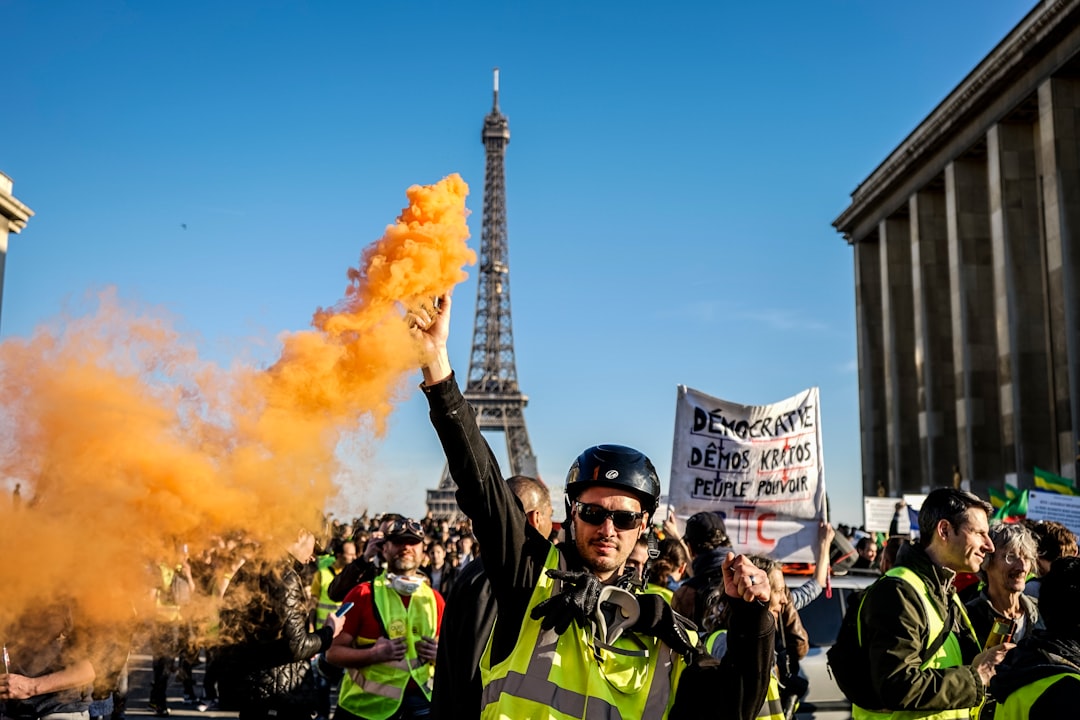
column 264, row 662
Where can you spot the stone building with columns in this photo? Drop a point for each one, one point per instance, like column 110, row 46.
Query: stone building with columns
column 13, row 218
column 966, row 244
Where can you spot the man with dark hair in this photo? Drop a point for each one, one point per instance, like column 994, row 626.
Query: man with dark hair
column 707, row 540
column 913, row 610
column 470, row 614
column 867, row 549
column 1040, row 679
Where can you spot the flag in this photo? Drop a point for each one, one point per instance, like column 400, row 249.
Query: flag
column 1011, row 491
column 998, row 498
column 1048, row 481
column 1013, row 508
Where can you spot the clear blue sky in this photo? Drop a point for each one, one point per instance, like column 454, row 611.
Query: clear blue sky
column 672, row 175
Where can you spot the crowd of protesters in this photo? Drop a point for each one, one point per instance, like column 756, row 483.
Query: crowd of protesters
column 613, row 614
column 296, row 596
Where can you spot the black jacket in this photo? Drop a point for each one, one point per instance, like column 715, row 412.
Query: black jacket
column 982, row 614
column 466, row 626
column 515, row 553
column 895, row 630
column 264, row 662
column 1034, row 658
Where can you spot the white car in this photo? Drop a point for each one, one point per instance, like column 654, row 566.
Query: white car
column 822, row 617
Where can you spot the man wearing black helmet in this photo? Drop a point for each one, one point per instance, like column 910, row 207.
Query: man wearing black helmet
column 569, row 641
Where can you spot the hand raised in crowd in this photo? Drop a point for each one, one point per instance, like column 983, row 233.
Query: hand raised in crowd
column 986, row 662
column 426, row 648
column 374, row 545
column 671, row 528
column 744, row 580
column 430, row 323
column 387, row 650
column 826, row 533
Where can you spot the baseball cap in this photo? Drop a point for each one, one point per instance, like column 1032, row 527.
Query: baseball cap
column 405, row 530
column 701, row 527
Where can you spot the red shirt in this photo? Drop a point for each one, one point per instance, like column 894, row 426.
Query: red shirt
column 362, row 621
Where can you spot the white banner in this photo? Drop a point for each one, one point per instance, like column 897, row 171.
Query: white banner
column 1064, row 509
column 759, row 466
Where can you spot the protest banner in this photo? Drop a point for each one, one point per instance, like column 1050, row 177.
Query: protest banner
column 1064, row 509
column 878, row 514
column 759, row 466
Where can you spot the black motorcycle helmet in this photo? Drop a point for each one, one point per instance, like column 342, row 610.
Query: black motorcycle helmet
column 614, row 466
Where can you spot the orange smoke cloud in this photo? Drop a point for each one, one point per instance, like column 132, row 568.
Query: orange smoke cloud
column 126, row 444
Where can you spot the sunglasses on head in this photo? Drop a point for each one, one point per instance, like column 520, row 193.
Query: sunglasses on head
column 596, row 515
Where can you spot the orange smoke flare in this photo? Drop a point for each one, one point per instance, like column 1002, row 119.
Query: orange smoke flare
column 128, row 446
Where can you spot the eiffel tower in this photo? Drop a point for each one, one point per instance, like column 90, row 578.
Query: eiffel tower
column 492, row 387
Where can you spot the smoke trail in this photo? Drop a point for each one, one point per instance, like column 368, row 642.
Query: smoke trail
column 128, row 446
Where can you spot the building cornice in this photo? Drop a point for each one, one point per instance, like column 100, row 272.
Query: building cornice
column 16, row 213
column 998, row 69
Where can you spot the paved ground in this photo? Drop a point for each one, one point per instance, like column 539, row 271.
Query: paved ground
column 140, row 677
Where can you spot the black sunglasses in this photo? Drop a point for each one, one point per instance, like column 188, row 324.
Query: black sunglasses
column 596, row 515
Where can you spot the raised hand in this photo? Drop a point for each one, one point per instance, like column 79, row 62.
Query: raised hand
column 743, row 579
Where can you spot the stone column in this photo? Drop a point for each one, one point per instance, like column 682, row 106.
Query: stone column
column 1059, row 155
column 871, row 365
column 1019, row 300
column 13, row 218
column 900, row 381
column 974, row 342
column 933, row 336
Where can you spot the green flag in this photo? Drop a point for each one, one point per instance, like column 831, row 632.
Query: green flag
column 998, row 498
column 1048, row 481
column 1011, row 491
column 1017, row 507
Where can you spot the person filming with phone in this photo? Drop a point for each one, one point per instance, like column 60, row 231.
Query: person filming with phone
column 390, row 638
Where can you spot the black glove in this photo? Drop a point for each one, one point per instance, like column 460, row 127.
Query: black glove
column 660, row 621
column 577, row 601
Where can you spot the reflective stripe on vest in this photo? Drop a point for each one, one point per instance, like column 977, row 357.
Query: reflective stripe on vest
column 375, row 691
column 772, row 708
column 569, row 676
column 1018, row 704
column 947, row 656
column 326, row 605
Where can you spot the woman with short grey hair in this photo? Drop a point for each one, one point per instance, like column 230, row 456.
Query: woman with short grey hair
column 1004, row 573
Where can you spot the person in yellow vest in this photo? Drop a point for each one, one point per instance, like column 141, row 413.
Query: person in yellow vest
column 390, row 638
column 342, row 552
column 569, row 642
column 173, row 644
column 1040, row 679
column 905, row 611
